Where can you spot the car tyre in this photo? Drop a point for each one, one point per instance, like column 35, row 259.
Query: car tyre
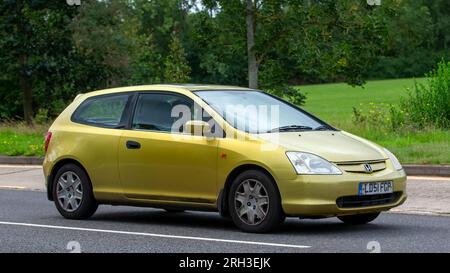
column 73, row 194
column 254, row 202
column 359, row 219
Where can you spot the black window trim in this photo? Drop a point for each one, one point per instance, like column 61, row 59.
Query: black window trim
column 123, row 119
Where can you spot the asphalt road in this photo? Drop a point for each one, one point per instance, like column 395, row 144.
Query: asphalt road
column 30, row 223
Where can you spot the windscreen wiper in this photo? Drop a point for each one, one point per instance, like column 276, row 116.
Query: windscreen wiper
column 291, row 128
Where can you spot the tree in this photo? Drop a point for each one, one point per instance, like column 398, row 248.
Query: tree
column 216, row 48
column 252, row 61
column 102, row 34
column 176, row 68
column 314, row 39
column 337, row 40
column 49, row 49
column 145, row 61
column 417, row 38
column 32, row 35
column 159, row 19
column 152, row 34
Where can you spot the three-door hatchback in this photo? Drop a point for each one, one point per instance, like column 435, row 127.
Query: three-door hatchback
column 249, row 155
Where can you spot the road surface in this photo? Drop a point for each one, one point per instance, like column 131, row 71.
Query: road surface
column 30, row 223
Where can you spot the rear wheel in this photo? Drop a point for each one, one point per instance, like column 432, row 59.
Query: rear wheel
column 254, row 202
column 72, row 192
column 359, row 219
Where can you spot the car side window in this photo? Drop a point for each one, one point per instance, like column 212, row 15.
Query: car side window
column 162, row 112
column 103, row 111
column 168, row 113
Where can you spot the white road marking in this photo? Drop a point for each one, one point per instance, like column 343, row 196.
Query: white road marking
column 430, row 178
column 21, row 166
column 12, row 187
column 416, row 212
column 154, row 235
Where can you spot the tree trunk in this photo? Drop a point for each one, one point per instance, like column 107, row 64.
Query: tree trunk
column 25, row 86
column 252, row 62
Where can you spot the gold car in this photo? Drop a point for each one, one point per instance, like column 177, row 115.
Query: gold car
column 244, row 153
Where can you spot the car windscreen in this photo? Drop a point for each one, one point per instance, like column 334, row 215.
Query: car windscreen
column 258, row 112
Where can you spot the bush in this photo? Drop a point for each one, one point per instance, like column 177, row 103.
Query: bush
column 375, row 116
column 429, row 104
column 397, row 117
column 41, row 116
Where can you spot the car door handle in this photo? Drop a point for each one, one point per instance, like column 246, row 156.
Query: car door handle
column 133, row 145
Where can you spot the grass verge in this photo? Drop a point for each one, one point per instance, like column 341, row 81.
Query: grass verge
column 20, row 139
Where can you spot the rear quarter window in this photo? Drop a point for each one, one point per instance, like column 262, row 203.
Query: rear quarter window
column 102, row 111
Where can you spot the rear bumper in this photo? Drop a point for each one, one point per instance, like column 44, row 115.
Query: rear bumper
column 47, row 167
column 333, row 195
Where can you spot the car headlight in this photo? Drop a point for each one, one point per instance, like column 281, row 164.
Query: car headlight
column 306, row 163
column 393, row 159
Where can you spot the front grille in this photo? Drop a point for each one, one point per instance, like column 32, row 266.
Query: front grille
column 358, row 167
column 358, row 201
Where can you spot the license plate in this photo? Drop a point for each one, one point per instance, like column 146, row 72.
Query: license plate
column 370, row 188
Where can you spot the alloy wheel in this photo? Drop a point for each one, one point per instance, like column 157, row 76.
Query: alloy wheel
column 251, row 202
column 69, row 191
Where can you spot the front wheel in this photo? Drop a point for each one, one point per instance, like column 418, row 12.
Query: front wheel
column 359, row 219
column 254, row 202
column 72, row 192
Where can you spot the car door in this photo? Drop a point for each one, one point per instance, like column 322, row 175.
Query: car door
column 157, row 162
column 93, row 138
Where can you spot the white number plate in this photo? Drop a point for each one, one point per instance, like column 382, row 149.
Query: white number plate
column 370, row 188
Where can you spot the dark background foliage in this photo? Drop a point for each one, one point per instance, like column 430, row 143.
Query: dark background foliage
column 50, row 51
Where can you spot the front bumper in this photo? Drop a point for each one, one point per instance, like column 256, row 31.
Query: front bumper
column 319, row 195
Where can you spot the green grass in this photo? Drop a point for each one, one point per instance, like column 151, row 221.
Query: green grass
column 19, row 139
column 333, row 103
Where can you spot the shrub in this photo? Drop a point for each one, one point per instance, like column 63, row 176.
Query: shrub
column 374, row 116
column 397, row 117
column 429, row 104
column 41, row 116
column 426, row 106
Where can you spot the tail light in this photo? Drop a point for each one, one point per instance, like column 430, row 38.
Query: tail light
column 48, row 137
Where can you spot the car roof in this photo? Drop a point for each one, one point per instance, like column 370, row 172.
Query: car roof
column 198, row 87
column 166, row 87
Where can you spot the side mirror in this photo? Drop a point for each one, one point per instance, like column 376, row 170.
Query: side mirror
column 197, row 127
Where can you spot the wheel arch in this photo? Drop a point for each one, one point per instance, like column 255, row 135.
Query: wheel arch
column 56, row 168
column 223, row 196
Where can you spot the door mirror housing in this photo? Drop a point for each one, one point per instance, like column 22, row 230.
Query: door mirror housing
column 197, row 127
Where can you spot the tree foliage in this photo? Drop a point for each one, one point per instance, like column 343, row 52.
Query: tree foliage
column 176, row 69
column 35, row 51
column 417, row 38
column 49, row 49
